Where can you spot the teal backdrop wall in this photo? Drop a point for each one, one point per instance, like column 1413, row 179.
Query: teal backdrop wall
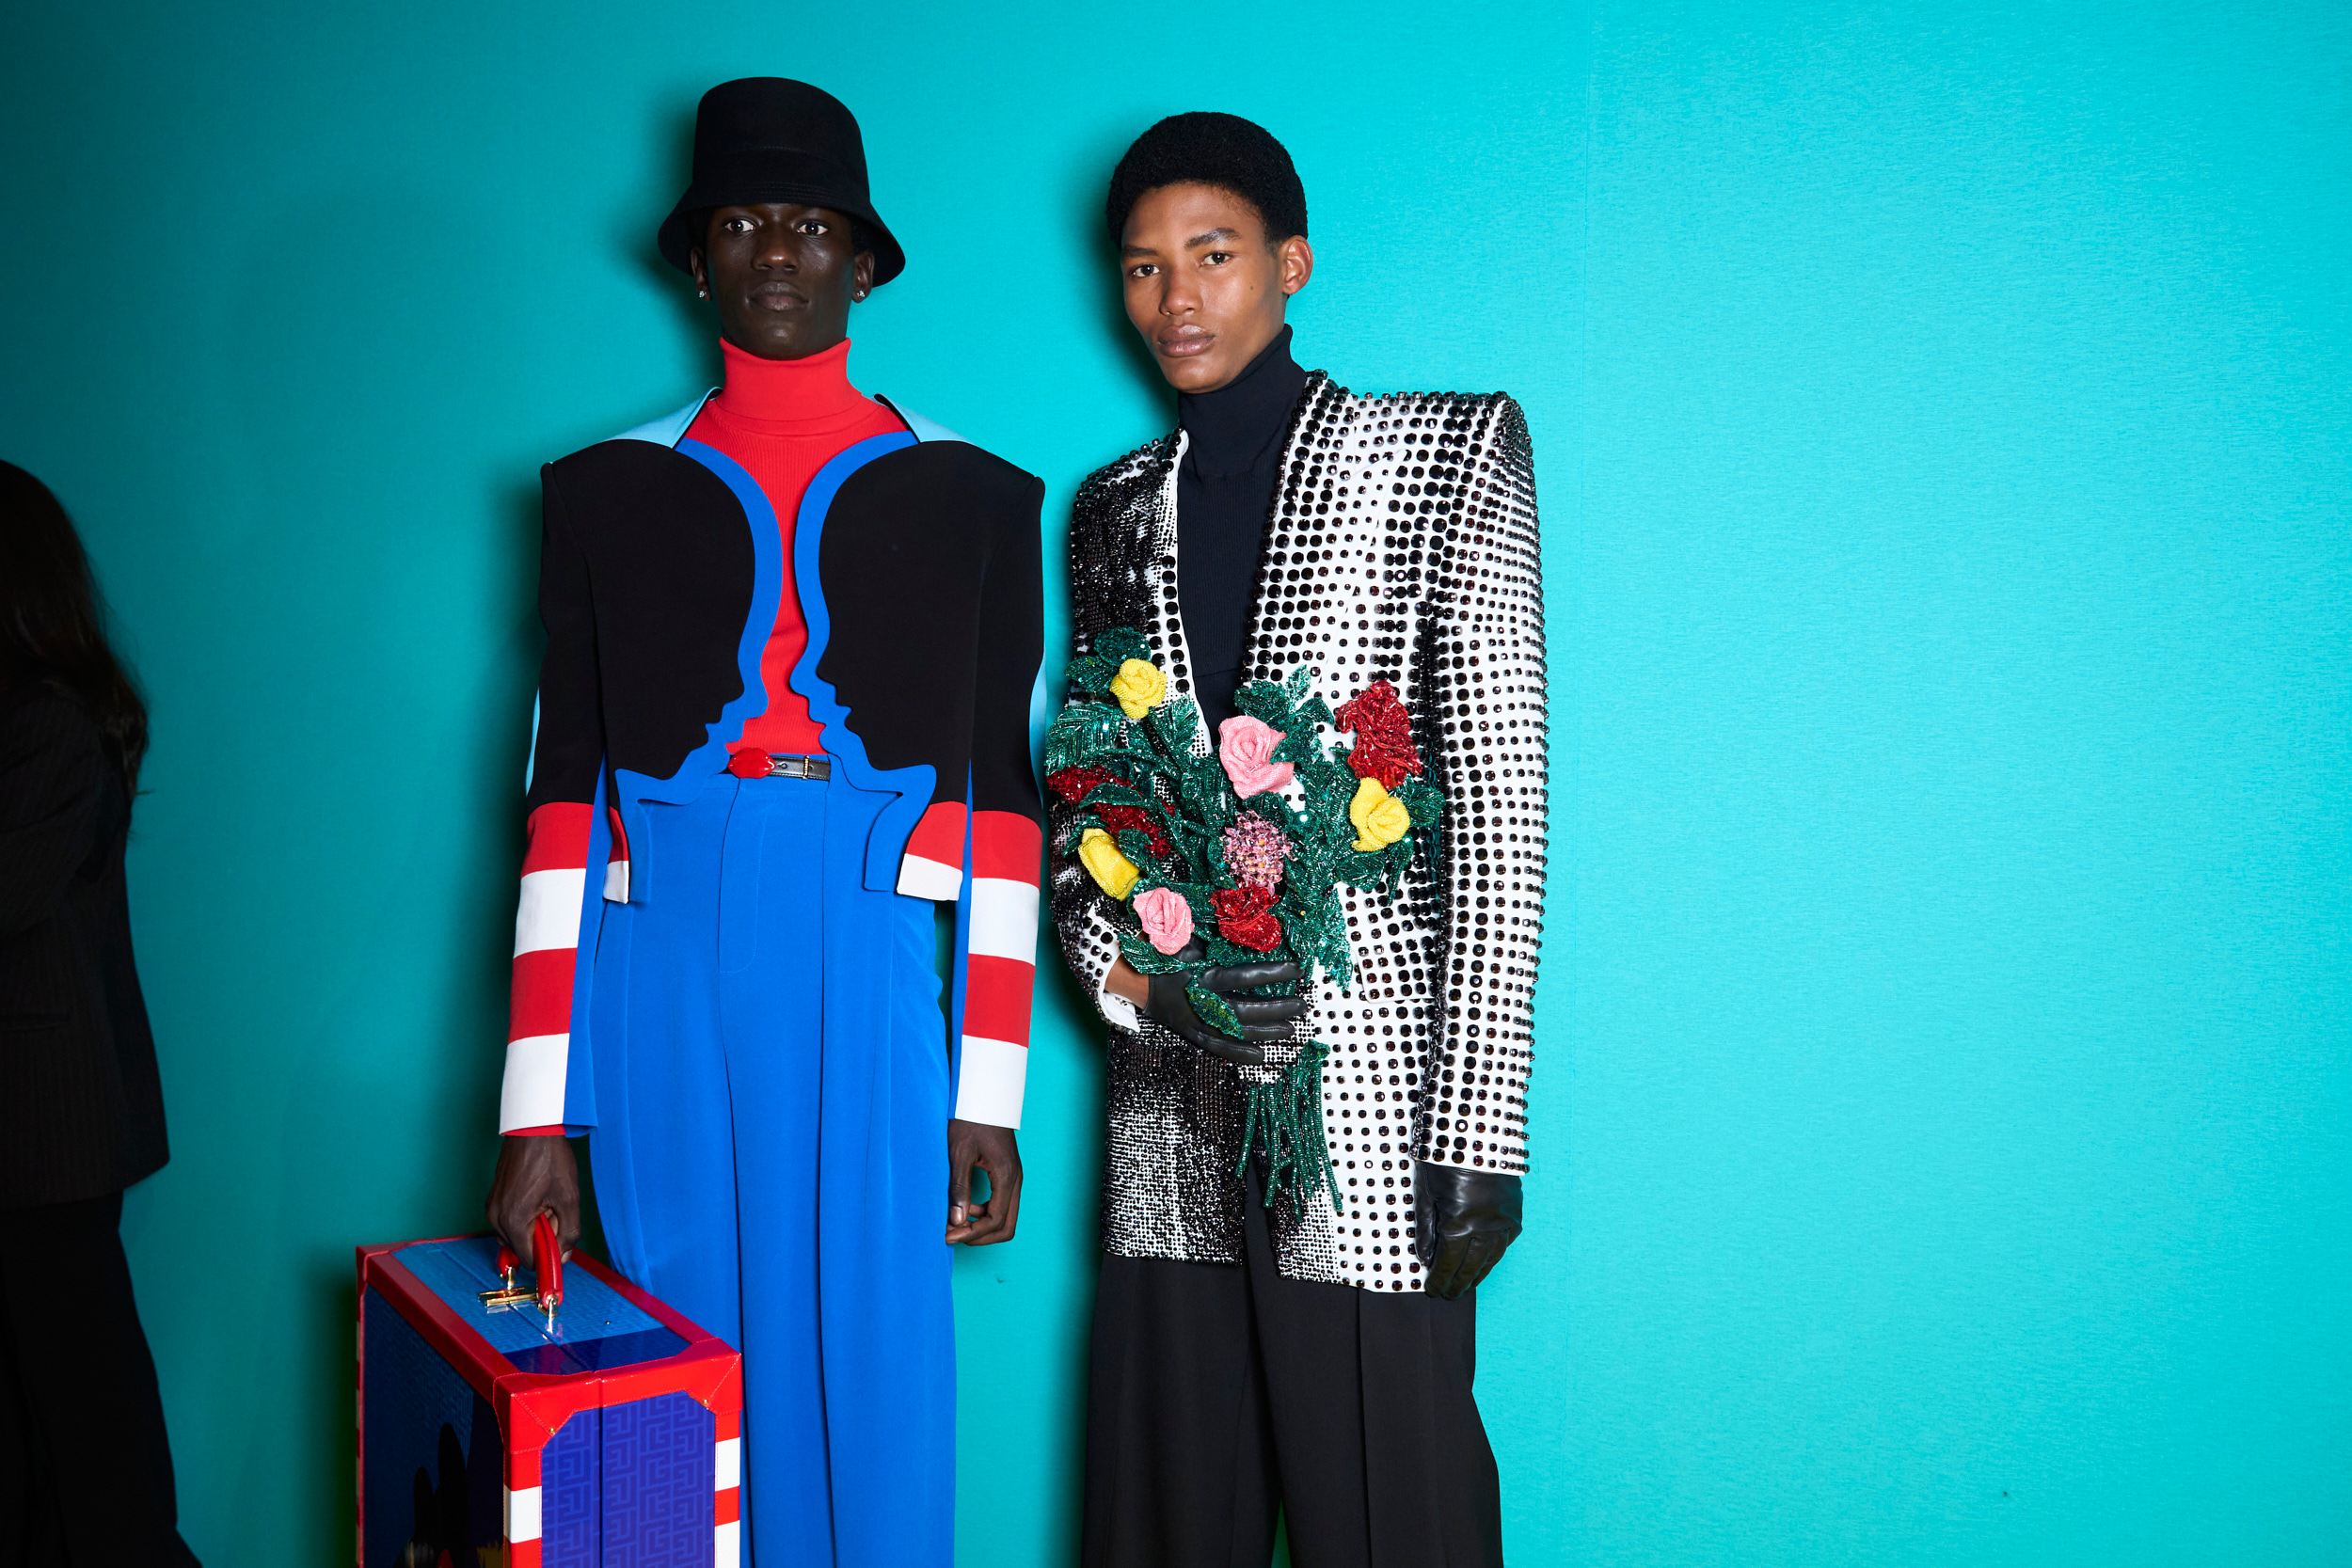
column 1942, row 425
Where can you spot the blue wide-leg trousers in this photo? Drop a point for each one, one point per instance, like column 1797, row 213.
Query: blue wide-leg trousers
column 775, row 1164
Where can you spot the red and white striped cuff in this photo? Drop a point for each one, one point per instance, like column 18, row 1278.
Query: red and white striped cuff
column 546, row 943
column 932, row 866
column 1000, row 969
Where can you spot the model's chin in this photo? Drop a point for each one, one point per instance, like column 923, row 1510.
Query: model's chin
column 1197, row 373
column 771, row 339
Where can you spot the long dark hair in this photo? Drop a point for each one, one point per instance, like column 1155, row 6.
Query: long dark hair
column 50, row 627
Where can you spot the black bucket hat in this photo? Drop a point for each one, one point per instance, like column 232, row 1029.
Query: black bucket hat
column 766, row 138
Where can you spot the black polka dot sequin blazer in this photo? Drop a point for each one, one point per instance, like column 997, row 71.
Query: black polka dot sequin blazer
column 1401, row 547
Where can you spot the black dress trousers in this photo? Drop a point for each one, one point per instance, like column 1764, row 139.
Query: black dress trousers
column 84, row 1465
column 1221, row 1396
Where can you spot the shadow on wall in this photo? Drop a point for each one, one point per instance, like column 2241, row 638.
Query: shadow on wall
column 376, row 553
column 1081, row 205
column 636, row 222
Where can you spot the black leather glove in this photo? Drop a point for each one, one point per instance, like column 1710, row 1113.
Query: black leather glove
column 1462, row 1222
column 1263, row 1018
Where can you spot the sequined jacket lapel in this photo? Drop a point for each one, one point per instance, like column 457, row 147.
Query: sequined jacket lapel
column 1402, row 546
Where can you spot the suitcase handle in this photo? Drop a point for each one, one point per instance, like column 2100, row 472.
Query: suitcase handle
column 546, row 1259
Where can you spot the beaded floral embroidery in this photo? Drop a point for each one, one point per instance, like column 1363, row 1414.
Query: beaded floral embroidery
column 1257, row 839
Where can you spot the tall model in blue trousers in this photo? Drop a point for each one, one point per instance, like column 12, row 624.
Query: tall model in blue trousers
column 793, row 634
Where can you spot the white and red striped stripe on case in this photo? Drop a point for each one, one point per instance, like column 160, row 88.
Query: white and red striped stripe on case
column 729, row 1493
column 1000, row 969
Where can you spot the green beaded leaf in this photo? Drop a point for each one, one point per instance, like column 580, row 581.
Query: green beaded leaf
column 1118, row 792
column 1178, row 720
column 1094, row 670
column 1261, row 700
column 1278, row 812
column 1224, row 953
column 1424, row 801
column 1285, row 1122
column 1198, row 847
column 1207, row 793
column 1317, row 930
column 1143, row 958
column 1136, row 845
column 1084, row 732
column 1119, row 644
column 1214, row 1011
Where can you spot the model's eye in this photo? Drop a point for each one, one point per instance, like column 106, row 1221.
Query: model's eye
column 737, row 225
column 814, row 226
column 1141, row 269
column 1219, row 258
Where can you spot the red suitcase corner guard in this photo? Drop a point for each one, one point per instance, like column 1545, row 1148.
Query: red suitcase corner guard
column 603, row 1356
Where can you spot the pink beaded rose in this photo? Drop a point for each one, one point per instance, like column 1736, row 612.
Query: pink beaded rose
column 1245, row 748
column 1166, row 918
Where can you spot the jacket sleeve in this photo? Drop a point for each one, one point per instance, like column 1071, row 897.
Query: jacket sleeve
column 546, row 1086
column 1488, row 687
column 51, row 768
column 1082, row 917
column 997, row 912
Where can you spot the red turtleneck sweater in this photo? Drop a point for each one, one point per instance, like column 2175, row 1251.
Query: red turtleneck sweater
column 783, row 420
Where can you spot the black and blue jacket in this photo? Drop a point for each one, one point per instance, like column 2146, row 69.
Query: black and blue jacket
column 915, row 559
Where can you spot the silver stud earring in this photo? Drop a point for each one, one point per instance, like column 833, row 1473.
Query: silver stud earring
column 702, row 293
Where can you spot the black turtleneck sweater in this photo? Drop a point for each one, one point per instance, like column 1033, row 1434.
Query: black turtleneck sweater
column 1224, row 494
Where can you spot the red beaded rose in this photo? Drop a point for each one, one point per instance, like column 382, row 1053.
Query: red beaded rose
column 1121, row 818
column 1074, row 785
column 1245, row 917
column 1384, row 735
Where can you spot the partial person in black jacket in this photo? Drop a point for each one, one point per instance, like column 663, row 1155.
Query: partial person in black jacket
column 84, row 1465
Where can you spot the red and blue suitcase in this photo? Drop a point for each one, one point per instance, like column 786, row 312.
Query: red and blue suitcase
column 608, row 1436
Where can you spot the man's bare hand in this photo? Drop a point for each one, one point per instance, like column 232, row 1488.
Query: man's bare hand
column 992, row 1150
column 534, row 1173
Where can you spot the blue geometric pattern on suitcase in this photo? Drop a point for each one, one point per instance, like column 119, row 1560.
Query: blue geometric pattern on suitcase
column 422, row 1488
column 570, row 1487
column 660, row 1467
column 459, row 1272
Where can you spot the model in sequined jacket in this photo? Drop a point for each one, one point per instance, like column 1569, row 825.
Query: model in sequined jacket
column 1388, row 538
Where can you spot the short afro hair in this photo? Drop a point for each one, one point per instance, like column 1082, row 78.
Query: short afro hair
column 1224, row 150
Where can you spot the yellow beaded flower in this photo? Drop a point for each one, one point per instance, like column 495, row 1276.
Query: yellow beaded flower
column 1112, row 871
column 1379, row 816
column 1139, row 688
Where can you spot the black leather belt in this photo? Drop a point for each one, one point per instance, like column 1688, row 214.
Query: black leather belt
column 800, row 768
